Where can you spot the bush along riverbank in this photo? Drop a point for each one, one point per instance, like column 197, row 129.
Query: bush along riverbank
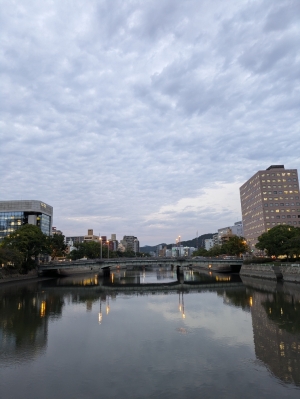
column 8, row 274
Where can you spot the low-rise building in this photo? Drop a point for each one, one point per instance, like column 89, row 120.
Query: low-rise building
column 56, row 231
column 74, row 239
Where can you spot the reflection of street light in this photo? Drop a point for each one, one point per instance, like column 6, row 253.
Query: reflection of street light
column 181, row 305
column 100, row 314
column 107, row 306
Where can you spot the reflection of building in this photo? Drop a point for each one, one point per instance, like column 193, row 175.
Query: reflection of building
column 14, row 214
column 275, row 343
column 269, row 198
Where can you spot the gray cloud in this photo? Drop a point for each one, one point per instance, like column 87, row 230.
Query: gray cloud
column 113, row 114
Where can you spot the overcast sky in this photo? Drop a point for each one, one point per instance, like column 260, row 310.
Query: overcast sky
column 144, row 117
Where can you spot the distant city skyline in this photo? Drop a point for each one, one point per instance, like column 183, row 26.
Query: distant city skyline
column 145, row 119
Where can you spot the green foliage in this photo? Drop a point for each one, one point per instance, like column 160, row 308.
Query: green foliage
column 10, row 256
column 235, row 246
column 28, row 241
column 91, row 250
column 57, row 245
column 200, row 252
column 280, row 240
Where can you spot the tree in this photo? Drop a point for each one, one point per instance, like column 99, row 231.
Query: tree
column 216, row 250
column 30, row 242
column 90, row 250
column 235, row 246
column 10, row 257
column 57, row 245
column 200, row 252
column 280, row 240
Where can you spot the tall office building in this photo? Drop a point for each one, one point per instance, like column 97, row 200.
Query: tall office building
column 269, row 198
column 14, row 214
column 131, row 243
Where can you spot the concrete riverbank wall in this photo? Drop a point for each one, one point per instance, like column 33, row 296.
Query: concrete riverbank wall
column 285, row 272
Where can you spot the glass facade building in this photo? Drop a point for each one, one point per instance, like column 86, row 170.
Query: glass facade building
column 15, row 214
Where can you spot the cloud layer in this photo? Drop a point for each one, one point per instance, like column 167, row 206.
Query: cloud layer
column 142, row 117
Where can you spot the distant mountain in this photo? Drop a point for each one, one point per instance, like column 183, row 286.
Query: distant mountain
column 195, row 242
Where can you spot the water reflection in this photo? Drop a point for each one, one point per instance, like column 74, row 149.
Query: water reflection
column 120, row 332
column 276, row 327
column 24, row 316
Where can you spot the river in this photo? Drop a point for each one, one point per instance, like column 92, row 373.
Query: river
column 84, row 337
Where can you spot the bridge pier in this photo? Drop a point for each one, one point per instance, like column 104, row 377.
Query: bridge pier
column 106, row 271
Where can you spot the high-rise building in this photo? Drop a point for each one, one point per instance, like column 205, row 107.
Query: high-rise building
column 14, row 214
column 131, row 243
column 269, row 198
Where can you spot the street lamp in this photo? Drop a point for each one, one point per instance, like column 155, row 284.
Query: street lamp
column 134, row 244
column 107, row 249
column 100, row 238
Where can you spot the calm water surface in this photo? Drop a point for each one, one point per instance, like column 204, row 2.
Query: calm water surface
column 73, row 338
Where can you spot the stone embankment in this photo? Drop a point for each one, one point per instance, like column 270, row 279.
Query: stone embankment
column 286, row 272
column 8, row 277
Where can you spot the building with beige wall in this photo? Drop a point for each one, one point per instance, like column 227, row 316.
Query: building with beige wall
column 90, row 236
column 269, row 198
